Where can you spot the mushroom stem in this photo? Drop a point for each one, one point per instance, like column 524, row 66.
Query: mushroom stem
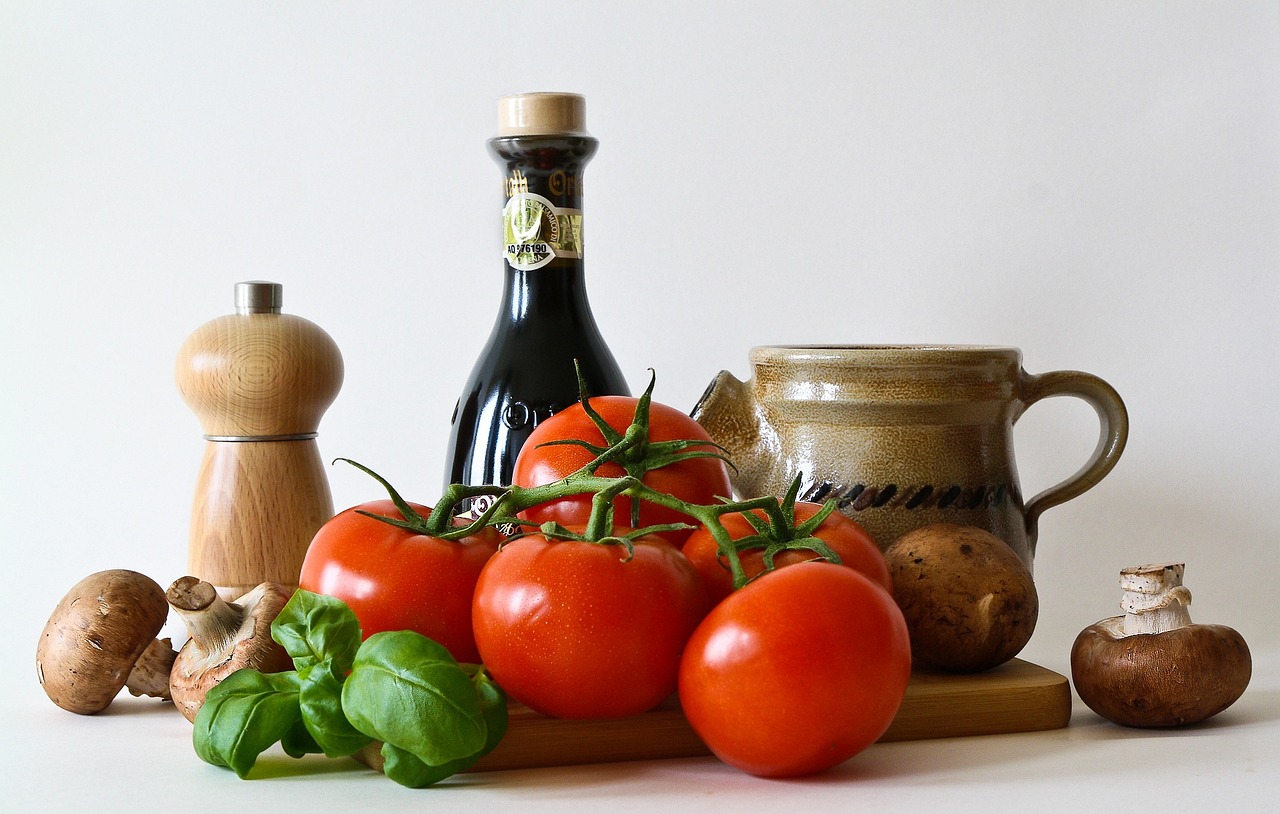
column 1154, row 599
column 212, row 622
column 150, row 674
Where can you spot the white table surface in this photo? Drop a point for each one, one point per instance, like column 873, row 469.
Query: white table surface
column 1094, row 182
column 108, row 763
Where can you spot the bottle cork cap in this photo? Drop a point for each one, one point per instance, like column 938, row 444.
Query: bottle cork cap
column 542, row 114
column 259, row 297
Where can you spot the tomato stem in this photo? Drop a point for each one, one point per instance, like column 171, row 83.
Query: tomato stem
column 632, row 449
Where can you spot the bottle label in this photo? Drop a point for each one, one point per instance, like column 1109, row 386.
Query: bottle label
column 536, row 231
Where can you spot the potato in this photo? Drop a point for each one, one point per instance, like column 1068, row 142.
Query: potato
column 969, row 602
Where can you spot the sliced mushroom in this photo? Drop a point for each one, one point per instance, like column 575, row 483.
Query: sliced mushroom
column 225, row 637
column 102, row 637
column 1153, row 667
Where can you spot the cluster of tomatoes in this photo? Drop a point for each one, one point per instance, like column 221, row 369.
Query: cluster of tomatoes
column 785, row 662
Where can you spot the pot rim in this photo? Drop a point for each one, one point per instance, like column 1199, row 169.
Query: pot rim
column 897, row 353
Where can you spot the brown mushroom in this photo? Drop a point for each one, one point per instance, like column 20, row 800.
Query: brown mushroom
column 969, row 602
column 102, row 637
column 225, row 637
column 1153, row 667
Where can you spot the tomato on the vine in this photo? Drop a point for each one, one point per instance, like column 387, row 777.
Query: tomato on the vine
column 796, row 672
column 578, row 629
column 397, row 579
column 691, row 472
column 844, row 536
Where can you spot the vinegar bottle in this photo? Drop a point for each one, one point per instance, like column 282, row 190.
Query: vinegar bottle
column 526, row 371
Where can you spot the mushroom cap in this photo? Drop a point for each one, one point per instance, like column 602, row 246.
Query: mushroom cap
column 1176, row 677
column 94, row 637
column 969, row 601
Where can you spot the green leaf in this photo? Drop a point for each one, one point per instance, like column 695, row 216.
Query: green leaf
column 402, row 688
column 409, row 770
column 406, row 690
column 244, row 715
column 314, row 628
column 298, row 741
column 320, row 697
column 493, row 705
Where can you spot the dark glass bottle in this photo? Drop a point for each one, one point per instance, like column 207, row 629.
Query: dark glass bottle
column 526, row 371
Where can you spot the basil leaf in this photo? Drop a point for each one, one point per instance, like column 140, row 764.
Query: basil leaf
column 313, row 628
column 406, row 690
column 493, row 705
column 320, row 697
column 298, row 741
column 244, row 715
column 407, row 769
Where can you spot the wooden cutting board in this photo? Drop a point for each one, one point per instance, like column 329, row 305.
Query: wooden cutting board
column 1015, row 697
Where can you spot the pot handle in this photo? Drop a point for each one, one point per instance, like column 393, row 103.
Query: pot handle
column 1114, row 421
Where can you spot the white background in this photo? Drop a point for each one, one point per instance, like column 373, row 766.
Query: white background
column 1097, row 183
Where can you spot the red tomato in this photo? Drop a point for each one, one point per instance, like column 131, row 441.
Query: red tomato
column 848, row 539
column 394, row 579
column 797, row 672
column 575, row 630
column 696, row 480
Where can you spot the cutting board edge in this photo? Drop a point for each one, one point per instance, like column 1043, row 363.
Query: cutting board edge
column 1028, row 698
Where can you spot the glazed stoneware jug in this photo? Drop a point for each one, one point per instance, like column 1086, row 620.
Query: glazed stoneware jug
column 901, row 436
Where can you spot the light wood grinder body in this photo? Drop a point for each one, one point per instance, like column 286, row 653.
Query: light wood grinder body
column 259, row 381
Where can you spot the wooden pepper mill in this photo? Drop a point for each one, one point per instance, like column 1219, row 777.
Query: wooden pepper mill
column 259, row 381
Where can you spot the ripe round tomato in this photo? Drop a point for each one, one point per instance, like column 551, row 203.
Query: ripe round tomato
column 796, row 672
column 394, row 579
column 575, row 630
column 694, row 480
column 847, row 538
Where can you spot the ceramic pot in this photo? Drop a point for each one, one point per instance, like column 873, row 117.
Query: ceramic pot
column 901, row 436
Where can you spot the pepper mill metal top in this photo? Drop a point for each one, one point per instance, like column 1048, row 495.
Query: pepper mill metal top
column 259, row 297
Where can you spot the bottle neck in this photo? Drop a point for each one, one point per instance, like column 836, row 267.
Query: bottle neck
column 555, row 293
column 542, row 200
column 549, row 166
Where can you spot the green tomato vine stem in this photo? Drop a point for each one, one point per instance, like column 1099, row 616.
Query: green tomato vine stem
column 636, row 454
column 511, row 500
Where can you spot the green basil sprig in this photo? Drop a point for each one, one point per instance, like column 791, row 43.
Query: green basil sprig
column 434, row 716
